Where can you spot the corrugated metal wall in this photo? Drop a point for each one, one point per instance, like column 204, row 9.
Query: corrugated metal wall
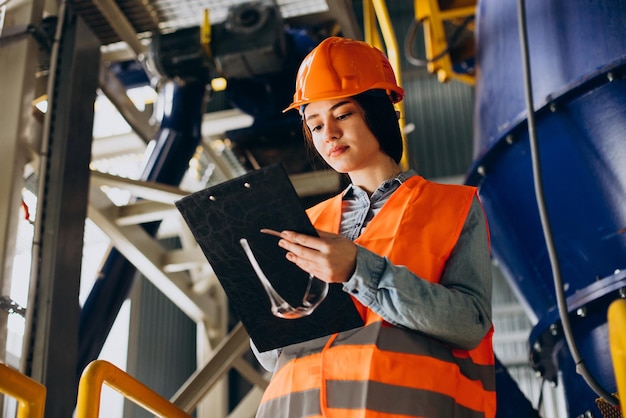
column 441, row 142
column 162, row 343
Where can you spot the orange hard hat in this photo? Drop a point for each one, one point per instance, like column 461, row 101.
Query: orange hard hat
column 340, row 67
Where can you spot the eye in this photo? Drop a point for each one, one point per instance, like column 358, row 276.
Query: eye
column 344, row 116
column 315, row 128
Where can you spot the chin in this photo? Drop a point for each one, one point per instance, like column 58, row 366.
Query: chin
column 340, row 168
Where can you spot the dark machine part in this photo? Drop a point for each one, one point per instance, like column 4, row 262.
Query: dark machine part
column 249, row 43
column 179, row 55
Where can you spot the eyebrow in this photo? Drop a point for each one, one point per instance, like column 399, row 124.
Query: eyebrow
column 335, row 106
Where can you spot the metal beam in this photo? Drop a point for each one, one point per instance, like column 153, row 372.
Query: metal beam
column 115, row 91
column 144, row 211
column 120, row 24
column 62, row 203
column 116, row 145
column 185, row 259
column 152, row 191
column 201, row 382
column 145, row 253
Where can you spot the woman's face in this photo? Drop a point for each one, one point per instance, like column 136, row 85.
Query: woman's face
column 341, row 135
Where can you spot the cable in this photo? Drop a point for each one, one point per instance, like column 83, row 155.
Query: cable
column 409, row 39
column 581, row 369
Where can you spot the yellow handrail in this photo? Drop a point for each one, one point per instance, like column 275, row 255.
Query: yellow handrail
column 100, row 371
column 617, row 339
column 432, row 17
column 391, row 46
column 30, row 394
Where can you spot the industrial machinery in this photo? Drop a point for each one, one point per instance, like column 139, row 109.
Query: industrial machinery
column 549, row 162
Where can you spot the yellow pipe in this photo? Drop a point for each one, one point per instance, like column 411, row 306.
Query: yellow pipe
column 372, row 36
column 100, row 371
column 617, row 339
column 31, row 395
column 205, row 33
column 391, row 43
column 432, row 18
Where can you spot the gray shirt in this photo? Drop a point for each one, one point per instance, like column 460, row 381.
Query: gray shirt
column 457, row 310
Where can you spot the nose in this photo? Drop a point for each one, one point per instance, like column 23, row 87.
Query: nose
column 331, row 130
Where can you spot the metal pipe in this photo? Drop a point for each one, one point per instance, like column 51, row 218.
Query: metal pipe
column 391, row 44
column 30, row 394
column 99, row 372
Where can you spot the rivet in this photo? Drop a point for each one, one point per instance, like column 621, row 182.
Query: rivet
column 246, row 185
column 554, row 329
column 509, row 139
column 552, row 107
column 481, row 170
column 212, row 198
column 581, row 312
column 610, row 76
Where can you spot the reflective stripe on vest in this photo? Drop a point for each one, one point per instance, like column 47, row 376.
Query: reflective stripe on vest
column 379, row 370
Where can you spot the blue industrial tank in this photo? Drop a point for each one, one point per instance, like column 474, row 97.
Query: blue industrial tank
column 577, row 51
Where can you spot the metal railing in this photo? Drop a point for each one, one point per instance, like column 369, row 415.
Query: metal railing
column 99, row 372
column 31, row 395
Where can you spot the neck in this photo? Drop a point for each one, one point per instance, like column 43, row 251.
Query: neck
column 371, row 178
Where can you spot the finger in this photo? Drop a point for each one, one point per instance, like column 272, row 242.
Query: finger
column 302, row 239
column 270, row 232
column 301, row 251
column 308, row 266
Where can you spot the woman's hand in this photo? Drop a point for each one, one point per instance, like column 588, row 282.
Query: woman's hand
column 329, row 257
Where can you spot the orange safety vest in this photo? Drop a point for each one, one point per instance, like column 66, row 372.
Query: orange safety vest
column 379, row 370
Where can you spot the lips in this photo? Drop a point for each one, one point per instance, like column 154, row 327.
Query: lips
column 337, row 150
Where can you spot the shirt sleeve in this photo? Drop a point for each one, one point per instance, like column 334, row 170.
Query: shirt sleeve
column 267, row 359
column 457, row 310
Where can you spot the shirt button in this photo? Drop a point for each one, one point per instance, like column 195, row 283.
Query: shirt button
column 354, row 291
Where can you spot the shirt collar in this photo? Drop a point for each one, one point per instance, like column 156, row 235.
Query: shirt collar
column 399, row 179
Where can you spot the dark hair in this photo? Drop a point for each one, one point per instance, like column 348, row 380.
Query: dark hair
column 381, row 118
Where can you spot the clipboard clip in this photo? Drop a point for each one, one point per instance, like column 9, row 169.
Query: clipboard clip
column 315, row 293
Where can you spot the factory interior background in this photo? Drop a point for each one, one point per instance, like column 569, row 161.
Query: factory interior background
column 114, row 110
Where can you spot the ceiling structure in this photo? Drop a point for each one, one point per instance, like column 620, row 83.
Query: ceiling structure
column 124, row 27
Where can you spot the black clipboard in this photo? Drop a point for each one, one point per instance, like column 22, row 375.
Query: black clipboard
column 221, row 215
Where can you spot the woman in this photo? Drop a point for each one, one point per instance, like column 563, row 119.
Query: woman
column 413, row 254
